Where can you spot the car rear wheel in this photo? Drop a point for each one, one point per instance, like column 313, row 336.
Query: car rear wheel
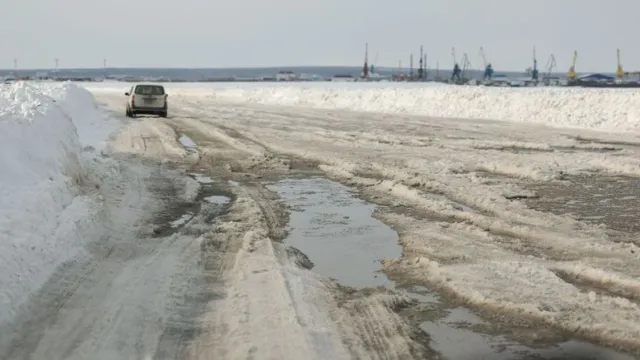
column 163, row 114
column 128, row 112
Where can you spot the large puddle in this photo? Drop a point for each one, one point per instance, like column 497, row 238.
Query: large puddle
column 453, row 337
column 337, row 232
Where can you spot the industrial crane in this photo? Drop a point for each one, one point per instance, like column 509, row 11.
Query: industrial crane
column 572, row 70
column 488, row 69
column 551, row 63
column 455, row 75
column 466, row 64
column 365, row 68
column 534, row 71
column 372, row 67
column 619, row 71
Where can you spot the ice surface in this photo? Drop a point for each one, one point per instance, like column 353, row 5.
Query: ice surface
column 43, row 208
column 186, row 141
column 202, row 179
column 183, row 219
column 218, row 199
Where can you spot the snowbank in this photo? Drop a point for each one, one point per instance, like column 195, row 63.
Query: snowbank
column 41, row 209
column 599, row 109
column 92, row 124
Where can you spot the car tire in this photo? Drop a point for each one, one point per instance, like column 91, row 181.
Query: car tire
column 163, row 114
column 128, row 112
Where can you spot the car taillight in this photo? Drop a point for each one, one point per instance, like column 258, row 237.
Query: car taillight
column 133, row 97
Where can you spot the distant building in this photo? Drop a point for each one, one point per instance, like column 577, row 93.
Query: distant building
column 286, row 76
column 596, row 77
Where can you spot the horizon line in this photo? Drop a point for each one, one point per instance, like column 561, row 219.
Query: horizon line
column 248, row 68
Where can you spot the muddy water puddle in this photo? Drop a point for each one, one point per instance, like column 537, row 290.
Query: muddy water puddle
column 210, row 202
column 336, row 230
column 453, row 337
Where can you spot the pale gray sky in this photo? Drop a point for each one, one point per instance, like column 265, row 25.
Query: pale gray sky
column 216, row 33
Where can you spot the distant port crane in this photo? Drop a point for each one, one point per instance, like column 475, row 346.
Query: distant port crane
column 572, row 70
column 551, row 64
column 488, row 68
column 619, row 70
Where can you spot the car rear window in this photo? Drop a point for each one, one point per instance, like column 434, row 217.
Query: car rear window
column 149, row 90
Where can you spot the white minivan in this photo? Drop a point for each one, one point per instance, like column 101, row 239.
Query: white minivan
column 148, row 99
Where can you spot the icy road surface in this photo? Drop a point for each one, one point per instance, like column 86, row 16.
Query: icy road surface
column 467, row 199
column 157, row 238
column 151, row 243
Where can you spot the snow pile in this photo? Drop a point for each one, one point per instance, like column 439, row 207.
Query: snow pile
column 40, row 183
column 90, row 121
column 600, row 109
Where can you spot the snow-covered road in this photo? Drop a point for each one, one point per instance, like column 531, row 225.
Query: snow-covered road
column 150, row 267
column 156, row 269
column 461, row 195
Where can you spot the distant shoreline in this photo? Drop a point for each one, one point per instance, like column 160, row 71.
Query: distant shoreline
column 239, row 71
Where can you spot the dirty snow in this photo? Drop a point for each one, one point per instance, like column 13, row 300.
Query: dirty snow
column 438, row 167
column 150, row 138
column 275, row 309
column 59, row 195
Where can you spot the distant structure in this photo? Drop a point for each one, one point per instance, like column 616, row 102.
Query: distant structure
column 286, row 75
column 572, row 70
column 365, row 67
column 425, row 68
column 535, row 74
column 488, row 68
column 410, row 66
column 421, row 64
column 619, row 70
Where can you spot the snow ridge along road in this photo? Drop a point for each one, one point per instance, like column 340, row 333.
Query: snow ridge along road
column 461, row 194
column 600, row 109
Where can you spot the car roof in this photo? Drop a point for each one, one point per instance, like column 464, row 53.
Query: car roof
column 148, row 84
